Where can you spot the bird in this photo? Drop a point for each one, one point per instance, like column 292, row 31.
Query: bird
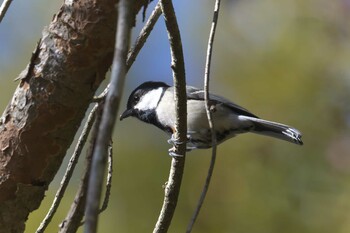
column 153, row 102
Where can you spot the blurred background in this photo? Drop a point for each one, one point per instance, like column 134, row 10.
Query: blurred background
column 285, row 61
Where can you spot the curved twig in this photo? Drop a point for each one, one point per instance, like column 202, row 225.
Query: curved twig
column 173, row 185
column 209, row 115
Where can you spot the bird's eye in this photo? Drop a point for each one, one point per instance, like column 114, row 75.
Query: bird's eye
column 136, row 98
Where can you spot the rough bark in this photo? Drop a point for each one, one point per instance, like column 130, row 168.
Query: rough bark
column 54, row 92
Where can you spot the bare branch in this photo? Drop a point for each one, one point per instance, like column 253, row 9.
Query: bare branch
column 145, row 32
column 139, row 43
column 173, row 185
column 109, row 179
column 76, row 213
column 109, row 115
column 209, row 115
column 4, row 7
column 69, row 171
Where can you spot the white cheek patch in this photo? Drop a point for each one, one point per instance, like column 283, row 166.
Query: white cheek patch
column 150, row 100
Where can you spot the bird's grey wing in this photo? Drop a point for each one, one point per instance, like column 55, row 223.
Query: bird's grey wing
column 198, row 94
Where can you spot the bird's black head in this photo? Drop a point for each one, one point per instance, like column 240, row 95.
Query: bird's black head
column 144, row 98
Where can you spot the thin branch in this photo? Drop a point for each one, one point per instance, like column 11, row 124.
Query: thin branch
column 139, row 43
column 82, row 192
column 4, row 7
column 109, row 179
column 173, row 185
column 108, row 182
column 76, row 213
column 109, row 115
column 209, row 115
column 69, row 171
column 145, row 32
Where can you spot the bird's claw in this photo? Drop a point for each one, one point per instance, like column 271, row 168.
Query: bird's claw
column 172, row 153
column 175, row 142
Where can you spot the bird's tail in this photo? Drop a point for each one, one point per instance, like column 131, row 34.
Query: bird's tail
column 275, row 130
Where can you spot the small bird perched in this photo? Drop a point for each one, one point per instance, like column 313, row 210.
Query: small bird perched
column 153, row 103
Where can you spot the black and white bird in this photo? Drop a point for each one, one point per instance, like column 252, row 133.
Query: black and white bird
column 153, row 103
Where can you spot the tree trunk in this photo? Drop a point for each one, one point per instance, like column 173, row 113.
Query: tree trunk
column 54, row 92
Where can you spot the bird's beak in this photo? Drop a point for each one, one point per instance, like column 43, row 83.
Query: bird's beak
column 127, row 113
